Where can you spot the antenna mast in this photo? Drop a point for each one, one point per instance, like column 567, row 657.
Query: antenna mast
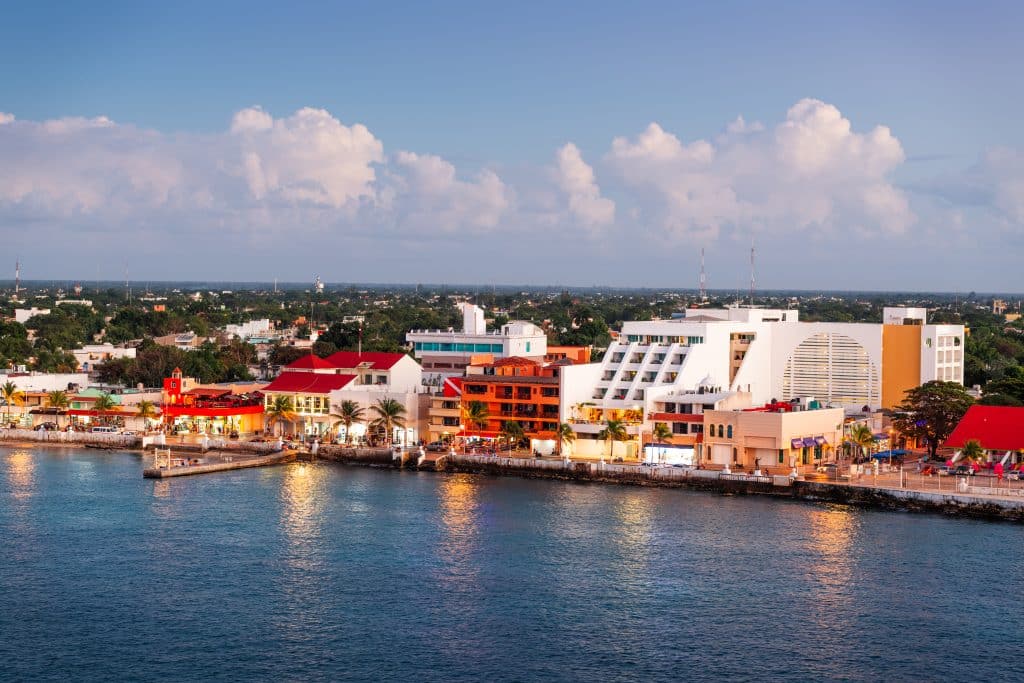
column 752, row 281
column 17, row 277
column 703, row 278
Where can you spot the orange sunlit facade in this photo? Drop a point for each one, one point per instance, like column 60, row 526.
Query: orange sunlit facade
column 517, row 390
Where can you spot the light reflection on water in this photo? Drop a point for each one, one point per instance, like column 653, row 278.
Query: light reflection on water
column 19, row 466
column 318, row 572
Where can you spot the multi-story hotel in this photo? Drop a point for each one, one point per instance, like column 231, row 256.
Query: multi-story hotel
column 447, row 353
column 770, row 354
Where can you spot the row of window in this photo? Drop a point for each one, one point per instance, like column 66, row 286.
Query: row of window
column 726, row 429
column 460, row 347
column 663, row 339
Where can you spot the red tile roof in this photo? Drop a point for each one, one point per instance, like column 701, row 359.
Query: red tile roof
column 998, row 428
column 514, row 360
column 310, row 362
column 376, row 360
column 307, row 383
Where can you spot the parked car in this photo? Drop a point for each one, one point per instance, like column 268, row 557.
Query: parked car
column 963, row 471
column 436, row 447
column 46, row 427
column 1015, row 475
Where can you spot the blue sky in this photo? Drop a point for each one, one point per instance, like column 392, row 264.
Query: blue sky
column 469, row 107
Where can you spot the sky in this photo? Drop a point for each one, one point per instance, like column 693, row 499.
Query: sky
column 856, row 146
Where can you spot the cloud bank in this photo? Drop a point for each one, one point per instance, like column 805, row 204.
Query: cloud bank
column 812, row 175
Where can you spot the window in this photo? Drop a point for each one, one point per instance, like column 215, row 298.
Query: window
column 728, row 432
column 782, row 457
column 527, row 347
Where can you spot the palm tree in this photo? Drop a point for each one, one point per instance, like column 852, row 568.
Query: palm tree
column 614, row 430
column 662, row 432
column 281, row 410
column 12, row 396
column 862, row 436
column 972, row 451
column 104, row 402
column 476, row 414
column 147, row 411
column 58, row 399
column 512, row 432
column 565, row 434
column 349, row 412
column 390, row 414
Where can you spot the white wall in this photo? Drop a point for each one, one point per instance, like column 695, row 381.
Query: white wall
column 576, row 385
column 47, row 381
column 406, row 375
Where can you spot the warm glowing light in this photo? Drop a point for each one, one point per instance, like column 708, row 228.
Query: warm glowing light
column 20, row 472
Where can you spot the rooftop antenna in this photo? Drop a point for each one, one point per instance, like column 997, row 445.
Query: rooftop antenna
column 752, row 281
column 703, row 278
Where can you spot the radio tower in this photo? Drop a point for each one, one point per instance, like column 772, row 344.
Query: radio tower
column 703, row 278
column 752, row 271
column 17, row 277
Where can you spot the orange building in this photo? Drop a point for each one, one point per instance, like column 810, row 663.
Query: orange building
column 579, row 355
column 514, row 389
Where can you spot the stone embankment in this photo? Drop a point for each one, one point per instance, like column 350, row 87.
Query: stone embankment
column 376, row 457
column 71, row 438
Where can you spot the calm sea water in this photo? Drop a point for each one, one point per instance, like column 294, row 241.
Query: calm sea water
column 322, row 572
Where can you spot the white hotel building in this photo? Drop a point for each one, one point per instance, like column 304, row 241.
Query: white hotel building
column 446, row 353
column 770, row 354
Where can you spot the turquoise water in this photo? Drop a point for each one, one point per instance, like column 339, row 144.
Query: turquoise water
column 322, row 572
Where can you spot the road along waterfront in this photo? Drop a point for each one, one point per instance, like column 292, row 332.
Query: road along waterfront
column 315, row 571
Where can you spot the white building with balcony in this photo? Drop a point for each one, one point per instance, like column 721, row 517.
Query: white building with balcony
column 447, row 353
column 769, row 354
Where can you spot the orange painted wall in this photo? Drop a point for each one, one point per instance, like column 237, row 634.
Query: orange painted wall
column 901, row 362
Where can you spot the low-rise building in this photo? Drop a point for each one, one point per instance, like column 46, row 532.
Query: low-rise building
column 189, row 407
column 22, row 315
column 90, row 356
column 999, row 430
column 777, row 438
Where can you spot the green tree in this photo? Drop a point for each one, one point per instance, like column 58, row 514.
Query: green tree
column 972, row 451
column 862, row 437
column 349, row 412
column 614, row 430
column 147, row 411
column 281, row 410
column 662, row 432
column 389, row 415
column 475, row 415
column 565, row 435
column 512, row 432
column 12, row 397
column 58, row 399
column 931, row 412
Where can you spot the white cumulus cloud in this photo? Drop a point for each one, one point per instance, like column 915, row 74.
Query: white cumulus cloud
column 812, row 171
column 576, row 179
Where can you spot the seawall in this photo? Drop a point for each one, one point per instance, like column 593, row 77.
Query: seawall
column 909, row 500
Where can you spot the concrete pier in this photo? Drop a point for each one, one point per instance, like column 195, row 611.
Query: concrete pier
column 206, row 468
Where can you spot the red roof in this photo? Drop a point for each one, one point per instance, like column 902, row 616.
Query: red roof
column 307, row 383
column 310, row 362
column 376, row 360
column 998, row 428
column 514, row 360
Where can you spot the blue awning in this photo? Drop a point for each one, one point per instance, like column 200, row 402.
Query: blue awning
column 809, row 442
column 889, row 454
column 820, row 440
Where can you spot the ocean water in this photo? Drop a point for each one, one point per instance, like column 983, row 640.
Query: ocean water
column 325, row 572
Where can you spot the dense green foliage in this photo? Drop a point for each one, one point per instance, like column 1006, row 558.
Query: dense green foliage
column 931, row 411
